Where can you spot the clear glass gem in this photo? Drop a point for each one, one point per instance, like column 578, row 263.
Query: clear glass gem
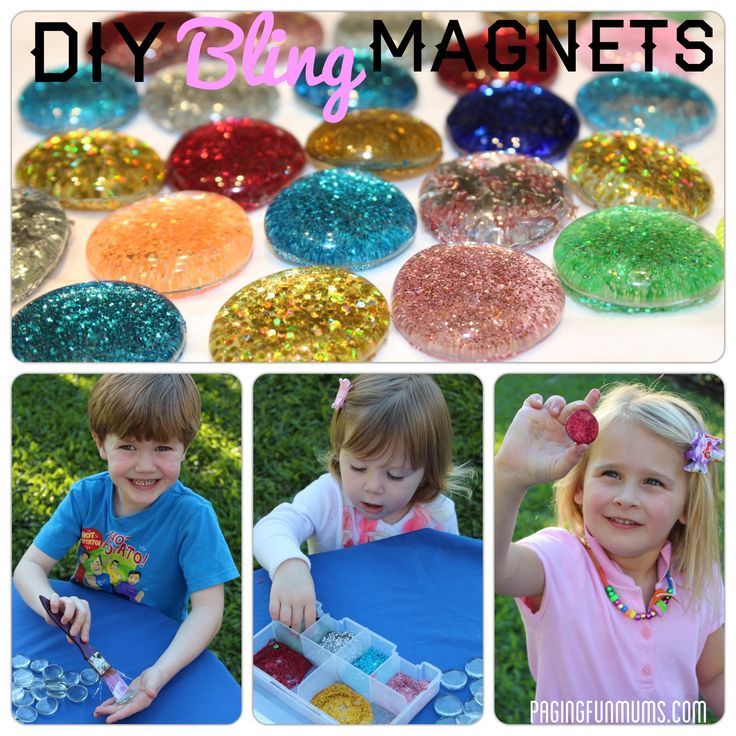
column 448, row 706
column 453, row 680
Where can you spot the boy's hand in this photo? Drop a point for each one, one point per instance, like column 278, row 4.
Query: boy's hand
column 147, row 686
column 536, row 448
column 293, row 599
column 75, row 611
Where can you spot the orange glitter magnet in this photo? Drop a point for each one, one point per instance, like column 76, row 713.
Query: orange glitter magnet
column 176, row 243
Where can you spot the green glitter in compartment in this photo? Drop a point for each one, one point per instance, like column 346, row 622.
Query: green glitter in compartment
column 637, row 259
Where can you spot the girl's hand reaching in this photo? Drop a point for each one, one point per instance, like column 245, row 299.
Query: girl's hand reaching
column 536, row 448
column 293, row 600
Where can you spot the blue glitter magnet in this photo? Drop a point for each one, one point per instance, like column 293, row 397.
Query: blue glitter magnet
column 659, row 105
column 99, row 321
column 79, row 102
column 516, row 118
column 340, row 217
column 392, row 87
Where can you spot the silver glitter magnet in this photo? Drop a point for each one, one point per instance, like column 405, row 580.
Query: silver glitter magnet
column 40, row 233
column 175, row 105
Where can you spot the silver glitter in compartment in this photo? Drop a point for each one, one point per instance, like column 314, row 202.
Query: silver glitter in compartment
column 40, row 232
column 174, row 105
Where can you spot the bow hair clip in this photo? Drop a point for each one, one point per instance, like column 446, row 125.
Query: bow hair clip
column 342, row 393
column 704, row 449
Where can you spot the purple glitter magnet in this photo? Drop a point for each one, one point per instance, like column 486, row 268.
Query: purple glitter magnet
column 470, row 302
column 498, row 198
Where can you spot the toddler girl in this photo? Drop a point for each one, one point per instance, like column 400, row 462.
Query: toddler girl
column 390, row 466
column 624, row 603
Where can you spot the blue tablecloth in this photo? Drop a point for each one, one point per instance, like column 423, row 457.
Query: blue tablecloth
column 423, row 591
column 131, row 637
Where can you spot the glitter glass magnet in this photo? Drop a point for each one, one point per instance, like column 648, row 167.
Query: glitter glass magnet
column 303, row 314
column 475, row 302
column 177, row 106
column 92, row 169
column 638, row 259
column 454, row 72
column 392, row 87
column 47, row 706
column 388, row 143
column 301, row 29
column 721, row 232
column 79, row 102
column 659, row 105
column 517, row 118
column 582, row 427
column 619, row 168
column 499, row 198
column 174, row 243
column 246, row 160
column 530, row 19
column 454, row 680
column 40, row 233
column 99, row 321
column 340, row 217
column 448, row 706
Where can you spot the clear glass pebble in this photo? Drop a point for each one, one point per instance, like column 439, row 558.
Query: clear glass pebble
column 22, row 677
column 453, row 680
column 88, row 676
column 445, row 720
column 474, row 667
column 468, row 718
column 473, row 708
column 53, row 672
column 21, row 696
column 39, row 692
column 449, row 706
column 77, row 693
column 47, row 706
column 476, row 686
column 26, row 714
column 39, row 665
column 20, row 661
column 71, row 678
column 478, row 696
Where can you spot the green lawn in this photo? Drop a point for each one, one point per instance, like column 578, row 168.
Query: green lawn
column 52, row 448
column 514, row 686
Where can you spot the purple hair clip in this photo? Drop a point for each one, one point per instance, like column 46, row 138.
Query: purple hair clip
column 704, row 449
column 342, row 393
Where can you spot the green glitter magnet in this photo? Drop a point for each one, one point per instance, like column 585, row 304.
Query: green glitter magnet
column 637, row 259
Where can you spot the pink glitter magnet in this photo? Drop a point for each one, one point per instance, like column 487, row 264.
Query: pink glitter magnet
column 471, row 302
column 581, row 427
column 500, row 198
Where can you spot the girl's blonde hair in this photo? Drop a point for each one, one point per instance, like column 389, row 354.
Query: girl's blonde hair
column 695, row 548
column 384, row 414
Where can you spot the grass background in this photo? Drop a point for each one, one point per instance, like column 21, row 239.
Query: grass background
column 52, row 448
column 291, row 423
column 514, row 686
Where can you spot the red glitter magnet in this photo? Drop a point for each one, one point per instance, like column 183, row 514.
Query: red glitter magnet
column 581, row 427
column 249, row 161
column 455, row 74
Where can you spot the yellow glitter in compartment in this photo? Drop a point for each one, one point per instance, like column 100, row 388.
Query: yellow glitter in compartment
column 619, row 168
column 92, row 169
column 304, row 314
column 344, row 705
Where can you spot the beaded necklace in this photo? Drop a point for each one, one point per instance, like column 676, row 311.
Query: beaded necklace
column 657, row 605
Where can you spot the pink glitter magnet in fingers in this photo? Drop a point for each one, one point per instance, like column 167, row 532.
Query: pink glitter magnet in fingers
column 499, row 198
column 470, row 302
column 581, row 427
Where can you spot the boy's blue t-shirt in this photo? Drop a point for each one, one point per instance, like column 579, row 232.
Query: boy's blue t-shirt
column 157, row 557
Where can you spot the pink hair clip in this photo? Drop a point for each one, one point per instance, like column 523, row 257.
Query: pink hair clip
column 342, row 393
column 704, row 449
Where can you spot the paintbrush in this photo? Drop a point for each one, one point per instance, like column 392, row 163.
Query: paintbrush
column 109, row 675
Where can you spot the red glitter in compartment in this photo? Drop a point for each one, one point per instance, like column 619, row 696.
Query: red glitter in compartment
column 581, row 427
column 407, row 686
column 282, row 663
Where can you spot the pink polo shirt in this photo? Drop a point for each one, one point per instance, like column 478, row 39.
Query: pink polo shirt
column 581, row 648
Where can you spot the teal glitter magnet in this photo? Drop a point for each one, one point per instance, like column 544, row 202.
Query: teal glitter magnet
column 638, row 259
column 79, row 102
column 340, row 217
column 99, row 321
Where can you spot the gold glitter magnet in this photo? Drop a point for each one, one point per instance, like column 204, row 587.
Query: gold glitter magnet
column 92, row 169
column 620, row 168
column 303, row 314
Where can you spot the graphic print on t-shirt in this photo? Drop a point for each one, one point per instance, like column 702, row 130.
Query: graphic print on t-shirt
column 111, row 564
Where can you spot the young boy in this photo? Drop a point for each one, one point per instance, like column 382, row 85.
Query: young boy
column 164, row 537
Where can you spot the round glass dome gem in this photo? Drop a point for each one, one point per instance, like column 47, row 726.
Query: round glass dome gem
column 638, row 259
column 340, row 217
column 516, row 118
column 659, row 105
column 388, row 143
column 177, row 106
column 99, row 321
column 175, row 243
column 248, row 161
column 312, row 314
column 92, row 169
column 40, row 232
column 453, row 680
column 500, row 198
column 619, row 168
column 448, row 706
column 475, row 302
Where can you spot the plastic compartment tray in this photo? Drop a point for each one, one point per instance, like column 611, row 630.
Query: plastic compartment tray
column 388, row 705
